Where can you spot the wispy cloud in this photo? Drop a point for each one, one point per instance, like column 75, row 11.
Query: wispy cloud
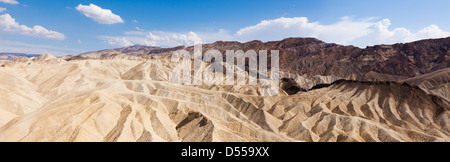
column 221, row 34
column 98, row 14
column 118, row 41
column 2, row 9
column 139, row 29
column 19, row 47
column 155, row 38
column 9, row 1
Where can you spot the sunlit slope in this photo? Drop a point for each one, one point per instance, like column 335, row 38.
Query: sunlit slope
column 117, row 99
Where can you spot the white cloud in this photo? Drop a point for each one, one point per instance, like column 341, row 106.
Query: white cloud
column 401, row 35
column 173, row 39
column 2, row 9
column 119, row 42
column 136, row 33
column 362, row 33
column 341, row 32
column 9, row 1
column 156, row 38
column 9, row 25
column 102, row 16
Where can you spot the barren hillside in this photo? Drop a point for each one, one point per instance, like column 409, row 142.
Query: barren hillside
column 130, row 98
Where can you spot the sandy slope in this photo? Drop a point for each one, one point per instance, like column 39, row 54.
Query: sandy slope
column 49, row 99
column 436, row 83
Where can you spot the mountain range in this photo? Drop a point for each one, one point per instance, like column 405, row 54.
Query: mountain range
column 9, row 56
column 328, row 93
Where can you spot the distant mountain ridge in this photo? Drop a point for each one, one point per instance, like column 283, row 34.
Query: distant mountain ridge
column 312, row 57
column 9, row 56
column 130, row 49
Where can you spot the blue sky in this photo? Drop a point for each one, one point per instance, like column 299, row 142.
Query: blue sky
column 76, row 26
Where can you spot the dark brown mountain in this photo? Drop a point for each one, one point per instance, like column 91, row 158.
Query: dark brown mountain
column 382, row 62
column 311, row 57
